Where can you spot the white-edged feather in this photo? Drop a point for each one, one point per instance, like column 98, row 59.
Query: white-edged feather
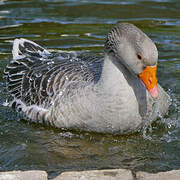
column 18, row 54
column 15, row 50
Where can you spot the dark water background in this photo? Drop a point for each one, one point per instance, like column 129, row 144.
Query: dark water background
column 82, row 25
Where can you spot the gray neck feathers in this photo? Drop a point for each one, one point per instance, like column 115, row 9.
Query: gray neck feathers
column 113, row 75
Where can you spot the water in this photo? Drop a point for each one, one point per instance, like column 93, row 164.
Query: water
column 82, row 25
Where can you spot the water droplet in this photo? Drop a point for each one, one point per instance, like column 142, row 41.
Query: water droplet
column 38, row 75
column 145, row 132
column 23, row 146
column 87, row 34
column 50, row 62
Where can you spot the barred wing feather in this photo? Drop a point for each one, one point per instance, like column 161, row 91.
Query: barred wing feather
column 35, row 76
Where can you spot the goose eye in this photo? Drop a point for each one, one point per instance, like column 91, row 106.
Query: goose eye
column 139, row 56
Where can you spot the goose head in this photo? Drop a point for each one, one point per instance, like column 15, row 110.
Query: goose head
column 129, row 46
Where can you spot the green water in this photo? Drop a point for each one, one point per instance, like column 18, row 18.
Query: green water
column 81, row 25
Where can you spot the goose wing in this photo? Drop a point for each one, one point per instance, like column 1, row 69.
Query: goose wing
column 35, row 76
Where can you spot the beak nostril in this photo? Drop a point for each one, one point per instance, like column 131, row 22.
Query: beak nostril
column 150, row 81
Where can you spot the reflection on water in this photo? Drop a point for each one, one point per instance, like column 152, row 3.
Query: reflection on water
column 82, row 25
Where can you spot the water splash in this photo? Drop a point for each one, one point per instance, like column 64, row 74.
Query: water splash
column 146, row 132
column 147, row 128
column 174, row 112
column 170, row 122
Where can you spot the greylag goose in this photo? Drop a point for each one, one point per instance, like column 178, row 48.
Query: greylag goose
column 117, row 93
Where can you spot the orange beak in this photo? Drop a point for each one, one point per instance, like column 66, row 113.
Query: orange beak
column 148, row 76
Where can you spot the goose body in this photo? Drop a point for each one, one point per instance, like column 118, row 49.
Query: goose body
column 102, row 94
